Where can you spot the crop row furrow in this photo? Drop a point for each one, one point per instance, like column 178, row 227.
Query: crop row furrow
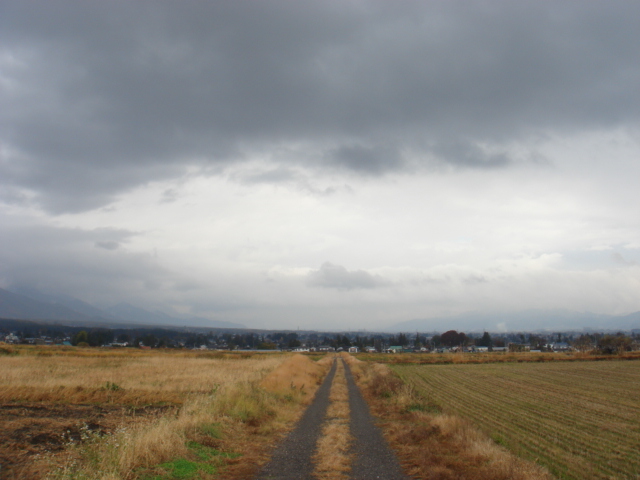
column 571, row 408
column 553, row 421
column 490, row 396
column 555, row 415
column 514, row 435
column 598, row 389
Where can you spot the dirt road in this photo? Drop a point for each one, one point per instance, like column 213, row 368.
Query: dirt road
column 371, row 457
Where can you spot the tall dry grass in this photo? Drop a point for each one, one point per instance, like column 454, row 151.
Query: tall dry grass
column 116, row 378
column 297, row 376
column 432, row 445
column 232, row 404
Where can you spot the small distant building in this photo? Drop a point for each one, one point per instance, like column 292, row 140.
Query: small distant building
column 325, row 348
column 370, row 349
column 519, row 347
column 354, row 349
column 561, row 347
column 394, row 349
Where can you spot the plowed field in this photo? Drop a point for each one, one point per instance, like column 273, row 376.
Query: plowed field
column 579, row 419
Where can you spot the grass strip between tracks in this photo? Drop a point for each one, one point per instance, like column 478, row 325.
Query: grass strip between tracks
column 332, row 458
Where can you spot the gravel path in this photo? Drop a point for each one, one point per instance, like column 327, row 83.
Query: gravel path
column 373, row 459
column 292, row 459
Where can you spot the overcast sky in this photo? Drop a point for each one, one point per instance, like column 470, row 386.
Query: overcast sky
column 322, row 164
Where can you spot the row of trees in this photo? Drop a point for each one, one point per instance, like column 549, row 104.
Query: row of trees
column 162, row 337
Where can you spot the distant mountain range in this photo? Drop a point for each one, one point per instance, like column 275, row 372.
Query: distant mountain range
column 30, row 304
column 523, row 321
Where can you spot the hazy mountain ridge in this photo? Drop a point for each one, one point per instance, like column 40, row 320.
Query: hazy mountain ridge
column 15, row 305
column 25, row 303
column 29, row 304
column 526, row 320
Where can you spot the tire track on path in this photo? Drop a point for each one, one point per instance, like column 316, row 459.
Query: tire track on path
column 372, row 457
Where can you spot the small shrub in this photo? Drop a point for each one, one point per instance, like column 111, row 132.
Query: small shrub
column 112, row 387
column 211, row 430
column 499, row 439
column 6, row 350
column 385, row 386
column 426, row 407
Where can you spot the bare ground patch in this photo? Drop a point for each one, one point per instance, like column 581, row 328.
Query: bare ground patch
column 33, row 434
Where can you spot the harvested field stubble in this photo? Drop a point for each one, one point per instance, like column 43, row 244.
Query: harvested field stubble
column 495, row 357
column 220, row 409
column 579, row 419
column 432, row 445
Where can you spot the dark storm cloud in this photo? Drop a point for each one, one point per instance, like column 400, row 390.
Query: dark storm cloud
column 98, row 97
column 373, row 160
column 338, row 277
column 461, row 154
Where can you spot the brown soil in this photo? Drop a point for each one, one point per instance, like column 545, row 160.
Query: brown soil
column 33, row 434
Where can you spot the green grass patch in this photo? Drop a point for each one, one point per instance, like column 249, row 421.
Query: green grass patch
column 204, row 460
column 424, row 407
column 211, row 430
column 181, row 468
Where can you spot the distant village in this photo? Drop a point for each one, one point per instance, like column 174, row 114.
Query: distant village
column 25, row 332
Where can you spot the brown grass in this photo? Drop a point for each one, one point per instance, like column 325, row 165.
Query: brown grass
column 332, row 458
column 498, row 357
column 110, row 376
column 298, row 375
column 434, row 446
column 238, row 404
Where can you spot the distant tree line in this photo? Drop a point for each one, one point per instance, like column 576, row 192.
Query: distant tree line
column 158, row 337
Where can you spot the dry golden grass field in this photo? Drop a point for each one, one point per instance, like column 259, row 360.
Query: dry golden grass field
column 74, row 413
column 581, row 420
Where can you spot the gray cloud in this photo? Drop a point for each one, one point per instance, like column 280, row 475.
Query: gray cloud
column 86, row 264
column 468, row 155
column 99, row 97
column 108, row 245
column 338, row 277
column 374, row 160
